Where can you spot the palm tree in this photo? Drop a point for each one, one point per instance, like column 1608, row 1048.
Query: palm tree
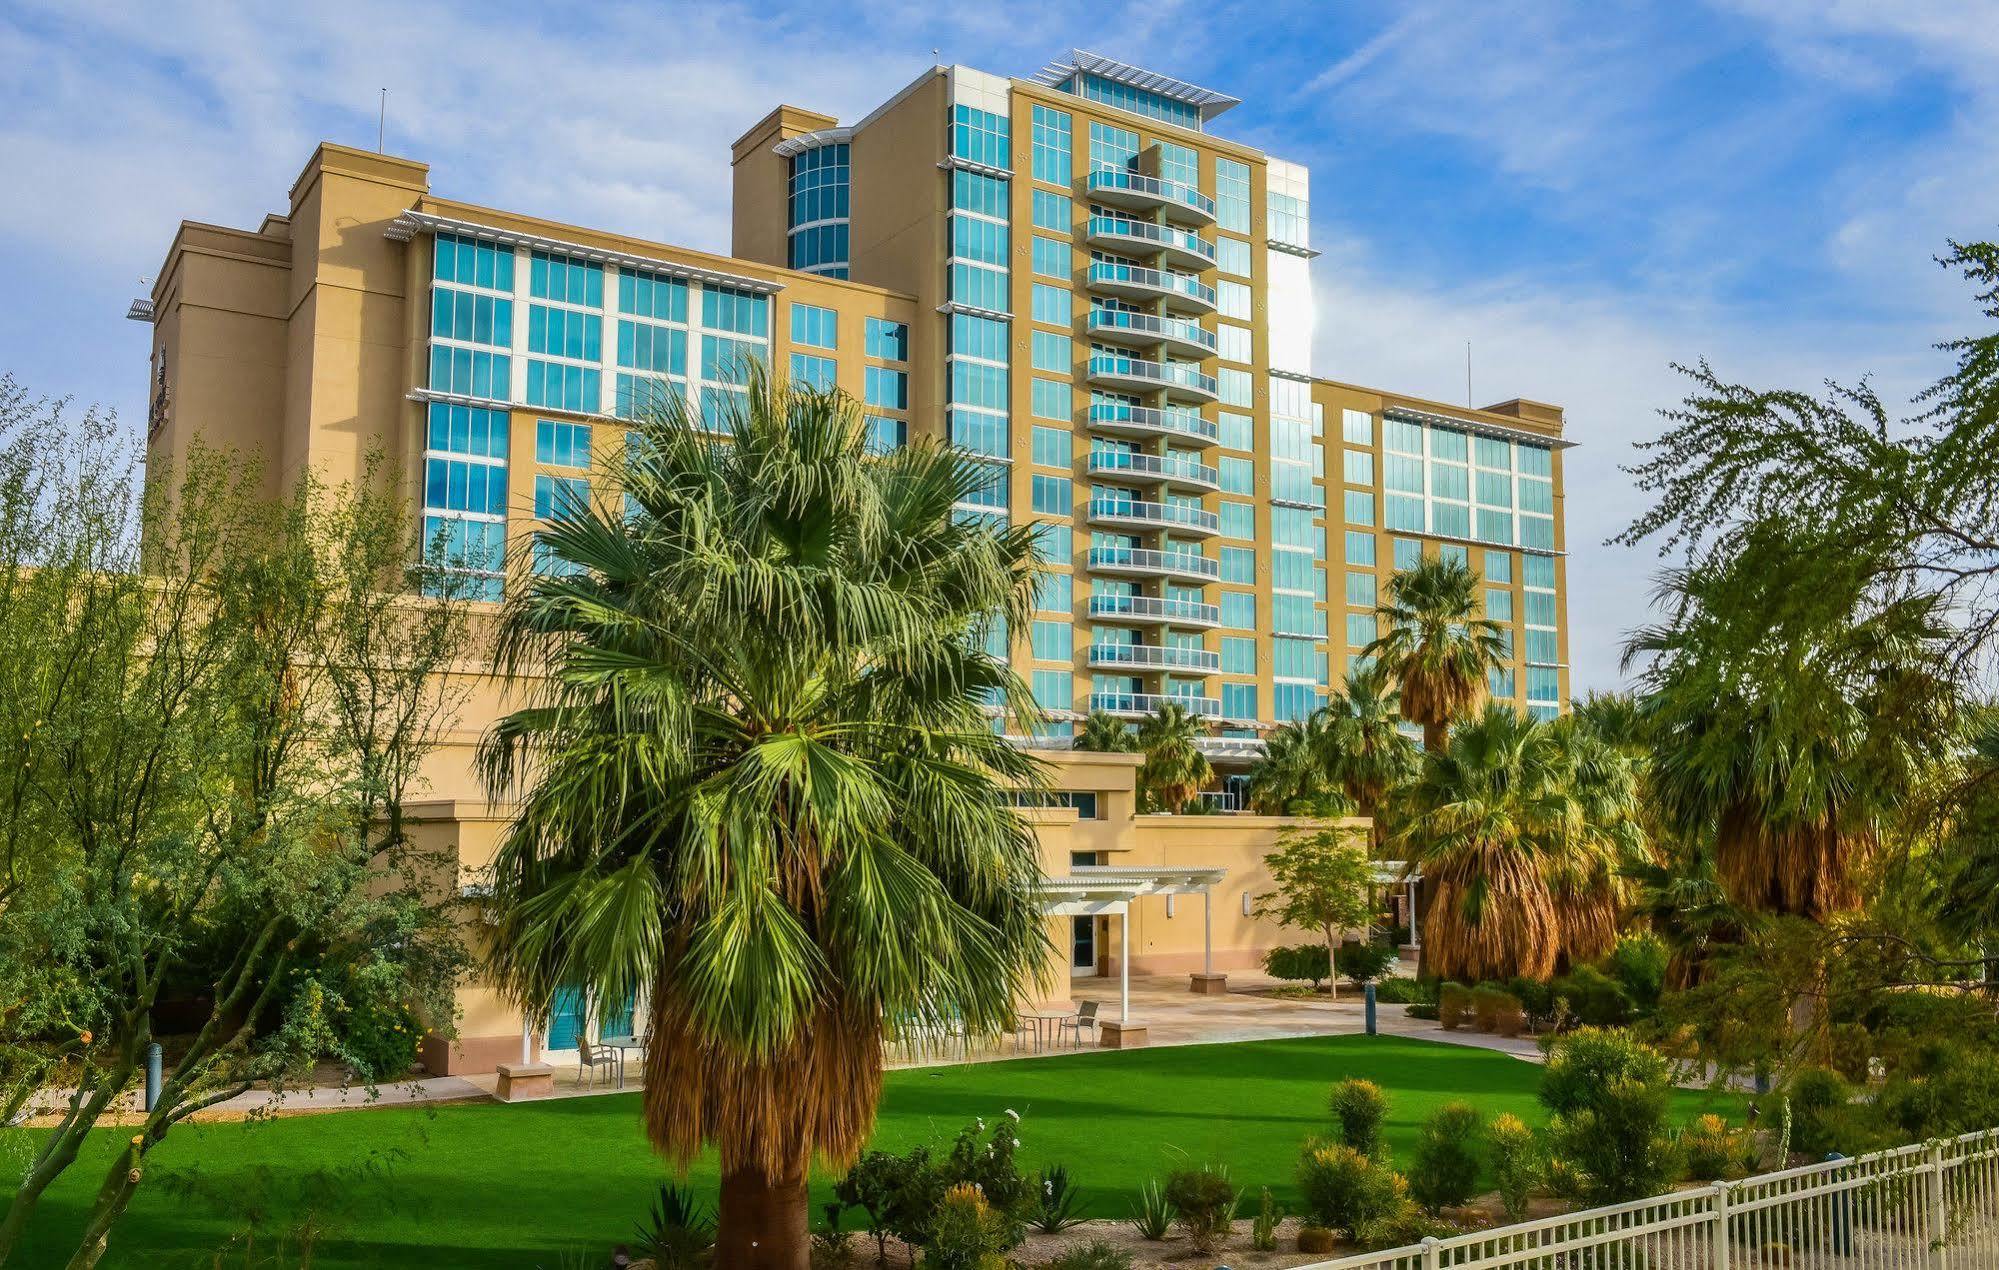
column 1602, row 841
column 1105, row 733
column 1789, row 724
column 1487, row 816
column 1438, row 644
column 1291, row 776
column 1363, row 747
column 1174, row 770
column 758, row 781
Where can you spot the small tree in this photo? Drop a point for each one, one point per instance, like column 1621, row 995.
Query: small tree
column 1324, row 883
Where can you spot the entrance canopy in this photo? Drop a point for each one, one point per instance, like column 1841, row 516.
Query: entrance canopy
column 1097, row 890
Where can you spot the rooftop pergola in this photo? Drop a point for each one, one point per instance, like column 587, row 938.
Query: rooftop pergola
column 1096, row 890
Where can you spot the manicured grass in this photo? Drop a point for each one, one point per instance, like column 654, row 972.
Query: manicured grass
column 483, row 1185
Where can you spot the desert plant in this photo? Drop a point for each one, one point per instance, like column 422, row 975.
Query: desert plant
column 1152, row 1218
column 1444, row 1169
column 1263, row 1227
column 1057, row 1209
column 1204, row 1202
column 679, row 1232
column 1585, row 1062
column 1098, row 1254
column 1712, row 1151
column 968, row 1233
column 1403, row 1223
column 1610, row 1095
column 1454, row 1006
column 1344, row 1188
column 1316, row 1239
column 1594, row 998
column 1516, row 1163
column 1497, row 1010
column 1360, row 1107
column 1638, row 963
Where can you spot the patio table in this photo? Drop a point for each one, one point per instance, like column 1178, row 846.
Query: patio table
column 1046, row 1024
column 621, row 1044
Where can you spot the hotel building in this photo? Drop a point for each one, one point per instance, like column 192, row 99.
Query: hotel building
column 1070, row 276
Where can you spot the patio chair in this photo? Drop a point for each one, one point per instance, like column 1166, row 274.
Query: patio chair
column 1085, row 1017
column 590, row 1058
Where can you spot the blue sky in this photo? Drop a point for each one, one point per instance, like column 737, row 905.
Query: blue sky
column 1586, row 191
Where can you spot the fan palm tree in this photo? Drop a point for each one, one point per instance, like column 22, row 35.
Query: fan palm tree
column 1363, row 747
column 1486, row 817
column 1600, row 842
column 1291, row 776
column 1788, row 722
column 1437, row 644
column 1104, row 733
column 1174, row 770
column 757, row 781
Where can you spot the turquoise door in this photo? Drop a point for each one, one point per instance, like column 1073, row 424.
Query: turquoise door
column 565, row 1019
column 617, row 1022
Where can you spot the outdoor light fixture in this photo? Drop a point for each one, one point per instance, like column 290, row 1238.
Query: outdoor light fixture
column 1169, row 904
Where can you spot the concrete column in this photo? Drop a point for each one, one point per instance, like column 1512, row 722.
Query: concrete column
column 1415, row 936
column 1207, row 931
column 1124, row 964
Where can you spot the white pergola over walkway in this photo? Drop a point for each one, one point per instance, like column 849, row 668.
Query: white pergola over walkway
column 1093, row 890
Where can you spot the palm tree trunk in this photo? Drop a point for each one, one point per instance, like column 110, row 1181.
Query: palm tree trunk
column 762, row 1224
column 1434, row 737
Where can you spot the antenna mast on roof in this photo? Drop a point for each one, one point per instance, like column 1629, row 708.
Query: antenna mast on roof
column 382, row 122
column 1468, row 404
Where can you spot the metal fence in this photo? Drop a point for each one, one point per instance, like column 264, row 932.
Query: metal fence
column 1928, row 1207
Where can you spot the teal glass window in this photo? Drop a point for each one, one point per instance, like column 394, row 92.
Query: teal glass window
column 815, row 372
column 888, row 340
column 1050, row 399
column 1053, row 447
column 815, row 327
column 1052, row 159
column 472, row 263
column 1238, row 564
column 1239, row 610
column 887, row 388
column 561, row 444
column 981, row 136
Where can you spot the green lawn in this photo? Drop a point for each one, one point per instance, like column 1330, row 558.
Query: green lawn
column 484, row 1185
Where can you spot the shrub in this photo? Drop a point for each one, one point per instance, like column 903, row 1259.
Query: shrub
column 1098, row 1254
column 1582, row 1064
column 1344, row 1188
column 1594, row 998
column 1204, row 1201
column 1263, row 1227
column 1822, row 1115
column 1516, row 1163
column 984, row 1158
column 1713, row 1152
column 968, row 1233
column 679, row 1232
column 1638, row 963
column 1360, row 1108
column 1454, row 1006
column 1057, row 1209
column 1364, row 961
column 1497, row 1010
column 1154, row 1216
column 379, row 1037
column 1298, row 962
column 1404, row 1223
column 1537, row 1000
column 832, row 1248
column 1617, row 1148
column 898, row 1193
column 1443, row 1173
column 1953, row 1090
column 1400, row 991
column 1316, row 1239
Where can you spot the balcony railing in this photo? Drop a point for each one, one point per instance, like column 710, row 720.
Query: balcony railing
column 1144, row 235
column 1120, row 278
column 1125, row 325
column 1139, row 704
column 1181, row 564
column 1157, row 515
column 1154, row 657
column 1118, row 416
column 1165, row 467
column 1121, row 185
column 1173, row 377
column 1154, row 608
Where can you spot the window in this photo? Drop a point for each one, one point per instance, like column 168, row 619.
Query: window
column 1296, row 615
column 1051, row 257
column 1498, row 567
column 1238, row 655
column 1052, row 212
column 1238, row 476
column 1238, row 520
column 468, row 430
column 1360, row 548
column 1055, row 593
column 562, row 444
column 1053, row 447
column 1112, row 147
column 566, row 280
column 1239, row 701
column 1499, row 682
column 816, row 372
column 1054, row 542
column 1051, row 352
column 1053, row 305
column 887, row 388
column 460, row 486
column 1050, row 399
column 1538, row 571
column 558, row 495
column 979, row 287
column 888, row 340
column 658, row 350
column 1232, row 343
column 1362, row 629
column 1359, row 507
column 981, row 136
column 815, row 327
column 1357, row 426
column 1052, row 160
column 1054, row 689
column 561, row 386
column 1536, row 460
column 1232, row 255
column 1239, row 610
column 1233, row 385
column 1408, row 553
column 1238, row 431
column 1360, row 589
column 1359, row 467
column 471, row 373
column 1053, row 641
column 885, row 434
column 1232, row 299
column 1499, row 604
column 978, row 337
column 1052, row 495
column 726, row 309
column 1238, row 564
column 982, row 240
column 1232, row 195
column 471, row 263
column 470, row 318
column 1294, row 701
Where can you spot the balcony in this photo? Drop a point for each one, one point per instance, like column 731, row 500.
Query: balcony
column 1182, row 292
column 1146, row 562
column 1136, row 374
column 1132, row 513
column 1167, row 469
column 1149, row 610
column 1168, row 245
column 1121, row 187
column 1153, row 657
column 1146, row 330
column 1122, row 419
column 1137, row 705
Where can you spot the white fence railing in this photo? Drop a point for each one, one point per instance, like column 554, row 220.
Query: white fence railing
column 1928, row 1207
